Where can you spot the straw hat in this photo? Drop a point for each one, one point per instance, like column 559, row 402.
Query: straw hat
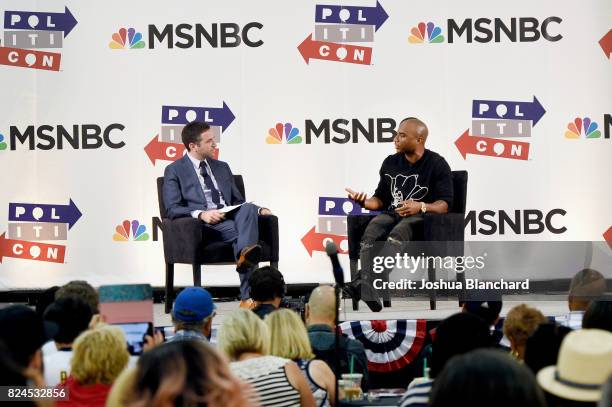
column 583, row 366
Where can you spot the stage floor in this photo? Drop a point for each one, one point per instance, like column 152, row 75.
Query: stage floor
column 402, row 308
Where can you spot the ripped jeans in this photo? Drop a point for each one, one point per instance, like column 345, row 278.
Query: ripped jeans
column 393, row 229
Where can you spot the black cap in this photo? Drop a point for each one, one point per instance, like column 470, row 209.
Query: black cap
column 24, row 332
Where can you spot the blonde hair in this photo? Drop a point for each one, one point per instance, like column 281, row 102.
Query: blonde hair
column 521, row 322
column 99, row 355
column 242, row 331
column 288, row 335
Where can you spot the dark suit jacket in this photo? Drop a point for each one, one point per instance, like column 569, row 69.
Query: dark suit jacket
column 183, row 193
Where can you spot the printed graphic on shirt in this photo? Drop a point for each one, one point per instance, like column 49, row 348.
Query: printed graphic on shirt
column 405, row 187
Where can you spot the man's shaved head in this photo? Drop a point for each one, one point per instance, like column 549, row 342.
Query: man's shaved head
column 322, row 303
column 419, row 128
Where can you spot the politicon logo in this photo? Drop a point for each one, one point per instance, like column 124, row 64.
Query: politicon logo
column 338, row 28
column 496, row 126
column 126, row 38
column 331, row 224
column 167, row 144
column 426, row 33
column 286, row 131
column 130, row 230
column 32, row 224
column 26, row 33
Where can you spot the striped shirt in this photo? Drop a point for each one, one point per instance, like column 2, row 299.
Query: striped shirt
column 319, row 393
column 417, row 394
column 267, row 376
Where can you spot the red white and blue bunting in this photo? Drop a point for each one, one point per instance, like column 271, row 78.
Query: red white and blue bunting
column 389, row 345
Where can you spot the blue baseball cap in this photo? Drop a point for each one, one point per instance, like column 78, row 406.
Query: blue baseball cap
column 193, row 304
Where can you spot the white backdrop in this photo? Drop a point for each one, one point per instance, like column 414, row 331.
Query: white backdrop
column 272, row 83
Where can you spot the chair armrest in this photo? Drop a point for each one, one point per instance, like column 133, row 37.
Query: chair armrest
column 355, row 227
column 443, row 226
column 182, row 239
column 268, row 232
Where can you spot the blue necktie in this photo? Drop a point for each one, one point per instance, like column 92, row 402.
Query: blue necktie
column 209, row 184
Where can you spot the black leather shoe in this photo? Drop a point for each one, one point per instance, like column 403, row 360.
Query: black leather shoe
column 354, row 289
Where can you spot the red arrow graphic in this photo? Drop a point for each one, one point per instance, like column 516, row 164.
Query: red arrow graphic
column 608, row 237
column 606, row 44
column 330, row 51
column 467, row 144
column 21, row 249
column 159, row 150
column 314, row 241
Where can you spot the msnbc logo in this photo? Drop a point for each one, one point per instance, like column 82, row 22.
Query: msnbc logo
column 574, row 129
column 275, row 134
column 134, row 39
column 122, row 232
column 2, row 143
column 425, row 33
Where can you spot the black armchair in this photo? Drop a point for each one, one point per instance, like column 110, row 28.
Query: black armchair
column 446, row 227
column 185, row 242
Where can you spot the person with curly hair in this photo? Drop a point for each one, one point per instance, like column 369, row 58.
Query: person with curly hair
column 99, row 355
column 520, row 323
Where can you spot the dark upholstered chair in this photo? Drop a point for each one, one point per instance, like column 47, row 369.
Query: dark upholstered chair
column 446, row 227
column 185, row 242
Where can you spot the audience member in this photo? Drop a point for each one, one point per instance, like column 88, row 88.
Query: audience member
column 267, row 290
column 79, row 289
column 24, row 332
column 276, row 381
column 456, row 335
column 44, row 299
column 542, row 347
column 192, row 315
column 99, row 356
column 72, row 316
column 289, row 340
column 599, row 314
column 181, row 373
column 320, row 319
column 606, row 394
column 486, row 377
column 586, row 286
column 13, row 375
column 83, row 290
column 583, row 366
column 521, row 321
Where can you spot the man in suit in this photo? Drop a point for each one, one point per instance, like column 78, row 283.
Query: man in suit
column 199, row 186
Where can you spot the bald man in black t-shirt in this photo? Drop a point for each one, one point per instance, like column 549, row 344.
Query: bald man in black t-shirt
column 412, row 182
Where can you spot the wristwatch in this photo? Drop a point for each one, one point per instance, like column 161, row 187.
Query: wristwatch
column 423, row 207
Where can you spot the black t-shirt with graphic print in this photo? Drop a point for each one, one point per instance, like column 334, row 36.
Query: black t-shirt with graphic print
column 428, row 180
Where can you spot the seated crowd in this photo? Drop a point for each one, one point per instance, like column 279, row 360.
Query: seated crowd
column 270, row 356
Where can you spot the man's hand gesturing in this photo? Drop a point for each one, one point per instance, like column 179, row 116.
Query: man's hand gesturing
column 359, row 197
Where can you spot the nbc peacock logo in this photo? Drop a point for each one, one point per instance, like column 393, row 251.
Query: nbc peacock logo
column 291, row 134
column 2, row 143
column 429, row 33
column 134, row 228
column 584, row 126
column 126, row 38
